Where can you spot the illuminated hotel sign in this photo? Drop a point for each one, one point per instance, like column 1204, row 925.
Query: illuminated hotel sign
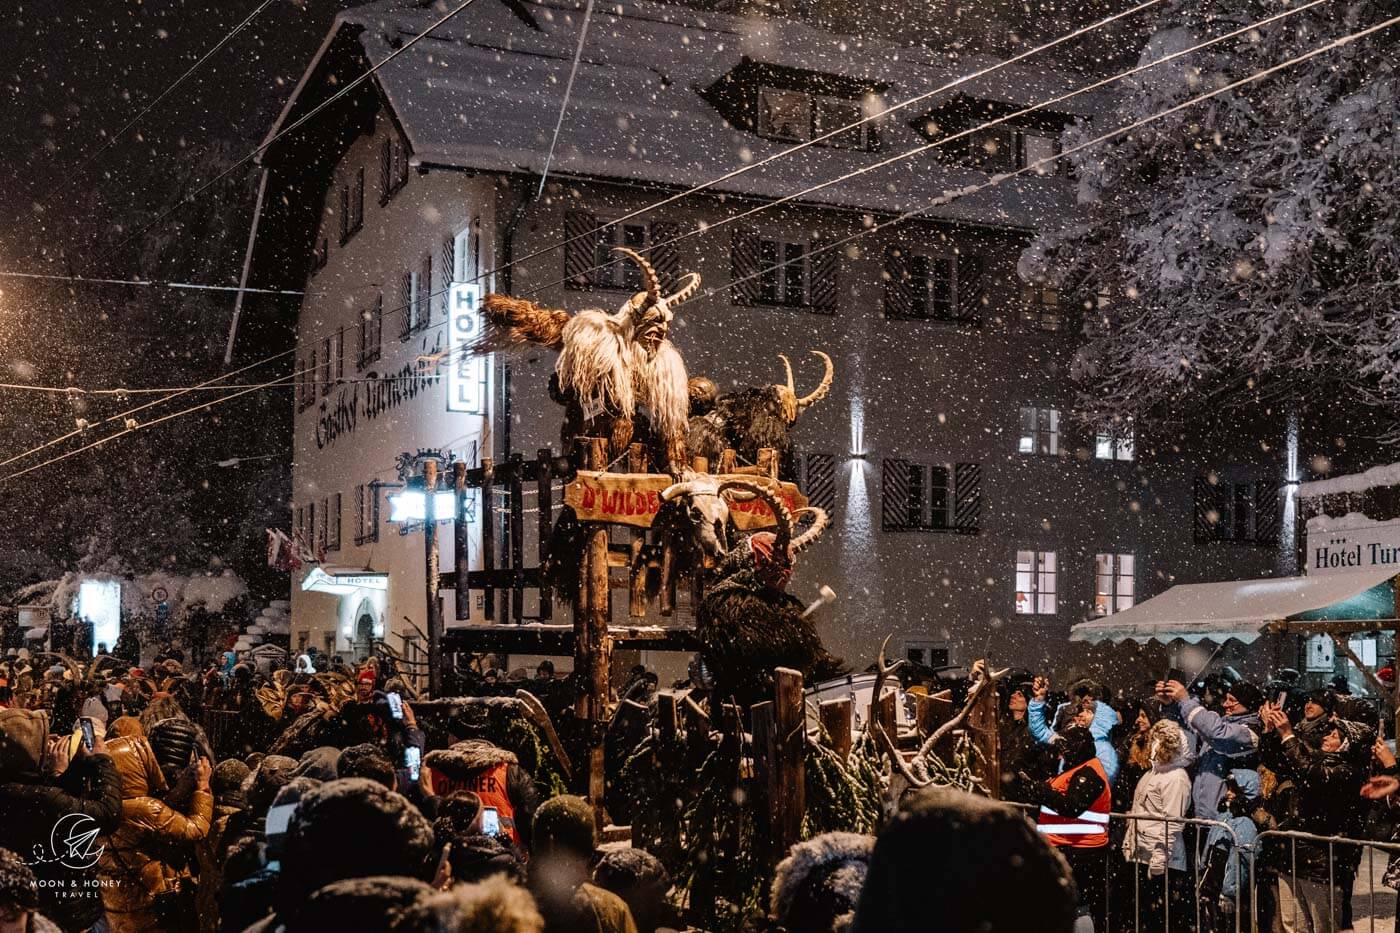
column 466, row 372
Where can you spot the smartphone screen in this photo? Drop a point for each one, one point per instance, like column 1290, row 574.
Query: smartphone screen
column 395, row 705
column 89, row 737
column 411, row 758
column 490, row 821
column 1282, row 698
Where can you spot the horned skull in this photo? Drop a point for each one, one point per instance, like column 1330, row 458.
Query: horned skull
column 792, row 405
column 704, row 511
column 649, row 313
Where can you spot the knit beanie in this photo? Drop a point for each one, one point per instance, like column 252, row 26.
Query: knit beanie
column 1250, row 696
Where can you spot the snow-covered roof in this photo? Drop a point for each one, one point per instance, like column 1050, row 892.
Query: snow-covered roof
column 1236, row 609
column 1387, row 474
column 484, row 92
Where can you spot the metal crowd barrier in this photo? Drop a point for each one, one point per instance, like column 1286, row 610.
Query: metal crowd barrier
column 1195, row 869
column 1335, row 879
column 221, row 728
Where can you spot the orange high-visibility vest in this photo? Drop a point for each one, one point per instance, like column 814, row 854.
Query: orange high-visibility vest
column 490, row 785
column 1089, row 829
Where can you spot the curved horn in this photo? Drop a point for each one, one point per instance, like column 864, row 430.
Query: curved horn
column 687, row 488
column 687, row 291
column 809, row 537
column 821, row 391
column 780, row 511
column 653, row 283
column 787, row 367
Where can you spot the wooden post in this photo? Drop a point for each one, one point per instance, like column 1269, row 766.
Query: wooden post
column 768, row 462
column 667, row 715
column 986, row 736
column 836, row 723
column 592, row 643
column 932, row 712
column 461, row 541
column 517, row 537
column 700, row 464
column 636, row 566
column 728, row 460
column 787, row 798
column 430, row 555
column 882, row 711
column 488, row 532
column 544, row 502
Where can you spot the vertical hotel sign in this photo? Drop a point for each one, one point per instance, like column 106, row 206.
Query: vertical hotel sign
column 466, row 372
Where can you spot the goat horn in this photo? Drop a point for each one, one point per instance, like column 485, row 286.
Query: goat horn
column 653, row 283
column 821, row 391
column 780, row 511
column 810, row 536
column 787, row 367
column 687, row 290
column 687, row 488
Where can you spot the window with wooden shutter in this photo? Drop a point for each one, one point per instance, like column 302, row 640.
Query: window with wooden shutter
column 423, row 297
column 899, row 284
column 581, row 246
column 967, row 498
column 405, row 308
column 894, row 495
column 817, row 473
column 1267, row 514
column 333, row 523
column 745, row 266
column 446, row 260
column 665, row 254
column 824, row 261
column 970, row 288
column 1210, row 509
column 386, row 170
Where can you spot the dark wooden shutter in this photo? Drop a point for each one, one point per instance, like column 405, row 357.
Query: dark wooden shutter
column 581, row 235
column 1267, row 517
column 1210, row 497
column 665, row 255
column 823, row 260
column 899, row 283
column 970, row 287
column 404, row 308
column 745, row 262
column 446, row 255
column 967, row 498
column 894, row 495
column 819, row 481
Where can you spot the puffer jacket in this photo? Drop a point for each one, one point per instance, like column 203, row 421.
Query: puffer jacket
column 151, row 852
column 1222, row 743
column 1105, row 718
column 87, row 795
column 460, row 766
column 1165, row 790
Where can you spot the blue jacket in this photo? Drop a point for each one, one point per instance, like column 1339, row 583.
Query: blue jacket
column 1223, row 743
column 1247, row 834
column 1105, row 718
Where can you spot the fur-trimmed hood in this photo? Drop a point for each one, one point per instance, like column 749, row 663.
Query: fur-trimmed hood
column 465, row 758
column 822, row 876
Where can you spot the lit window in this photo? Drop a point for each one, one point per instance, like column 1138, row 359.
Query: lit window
column 1035, row 583
column 1114, row 583
column 610, row 271
column 1040, row 308
column 1114, row 442
column 1040, row 431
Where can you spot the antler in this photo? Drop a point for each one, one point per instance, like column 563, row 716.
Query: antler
column 883, row 669
column 987, row 681
column 810, row 536
column 649, row 277
column 821, row 390
column 780, row 511
column 687, row 290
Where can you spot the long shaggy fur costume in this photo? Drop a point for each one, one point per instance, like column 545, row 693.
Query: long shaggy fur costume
column 747, row 421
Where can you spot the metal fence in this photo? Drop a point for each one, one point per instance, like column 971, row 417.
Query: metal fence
column 1285, row 882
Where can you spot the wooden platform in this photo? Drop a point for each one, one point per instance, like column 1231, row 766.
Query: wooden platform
column 558, row 639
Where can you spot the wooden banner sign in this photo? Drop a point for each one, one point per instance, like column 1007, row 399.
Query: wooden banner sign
column 634, row 499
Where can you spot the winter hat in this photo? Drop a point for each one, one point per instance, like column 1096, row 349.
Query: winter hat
column 319, row 763
column 353, row 828
column 565, row 824
column 470, row 721
column 174, row 741
column 365, row 905
column 22, row 736
column 817, row 886
column 477, row 856
column 1077, row 745
column 227, row 783
column 279, row 815
column 270, row 776
column 491, row 906
column 959, row 856
column 456, row 815
column 19, row 889
column 1324, row 698
column 1249, row 696
column 366, row 761
column 639, row 878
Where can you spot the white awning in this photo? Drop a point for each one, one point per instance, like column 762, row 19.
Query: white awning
column 342, row 581
column 1236, row 609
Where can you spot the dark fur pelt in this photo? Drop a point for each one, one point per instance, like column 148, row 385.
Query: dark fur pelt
column 745, row 631
column 747, row 420
column 561, row 569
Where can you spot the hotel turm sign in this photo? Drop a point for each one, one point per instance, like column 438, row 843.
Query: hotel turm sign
column 1351, row 550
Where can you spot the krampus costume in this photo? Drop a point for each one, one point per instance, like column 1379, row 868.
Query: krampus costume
column 748, row 624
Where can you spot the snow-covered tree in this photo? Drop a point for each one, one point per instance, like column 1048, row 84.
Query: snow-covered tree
column 1244, row 250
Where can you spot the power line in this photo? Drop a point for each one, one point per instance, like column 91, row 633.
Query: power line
column 262, row 147
column 568, row 92
column 941, row 141
column 146, row 283
column 907, row 215
column 112, row 140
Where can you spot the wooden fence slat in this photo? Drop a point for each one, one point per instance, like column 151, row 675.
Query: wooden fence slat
column 835, row 716
column 488, row 533
column 544, row 502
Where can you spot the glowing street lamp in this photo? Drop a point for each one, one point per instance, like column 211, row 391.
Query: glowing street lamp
column 411, row 505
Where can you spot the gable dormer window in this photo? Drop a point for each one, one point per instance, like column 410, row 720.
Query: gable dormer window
column 797, row 116
column 796, row 105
